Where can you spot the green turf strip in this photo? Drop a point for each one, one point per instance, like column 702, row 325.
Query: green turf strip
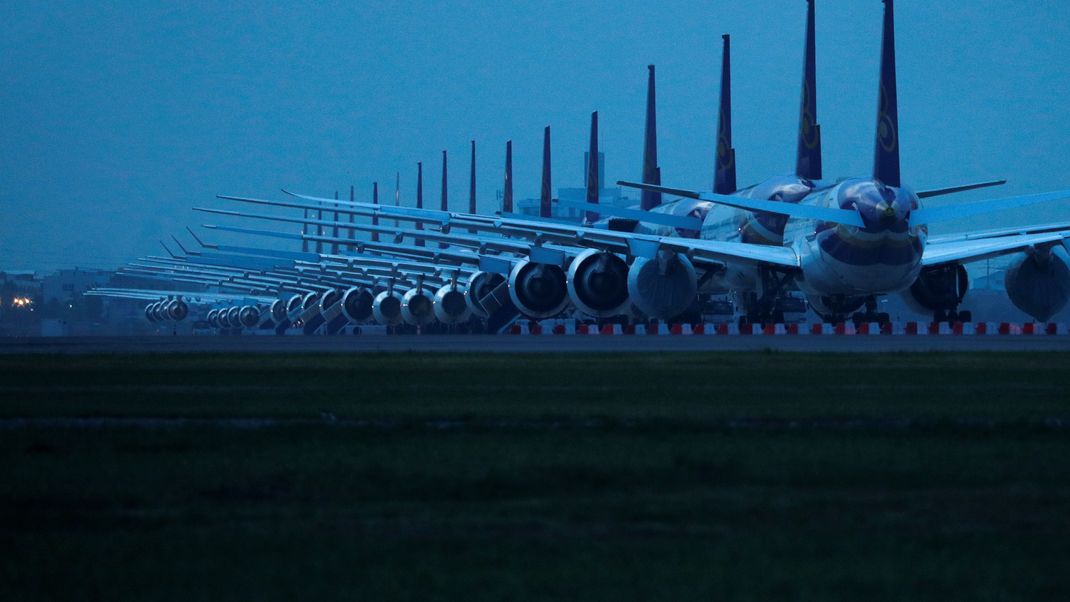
column 537, row 477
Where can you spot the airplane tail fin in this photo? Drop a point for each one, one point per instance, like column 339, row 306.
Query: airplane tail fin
column 724, row 177
column 886, row 148
column 419, row 197
column 544, row 197
column 444, row 203
column 808, row 158
column 592, row 183
column 375, row 218
column 507, row 195
column 651, row 172
column 472, row 182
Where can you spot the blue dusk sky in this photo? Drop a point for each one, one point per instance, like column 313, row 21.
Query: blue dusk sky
column 118, row 117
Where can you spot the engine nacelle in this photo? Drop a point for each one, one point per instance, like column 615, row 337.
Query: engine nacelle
column 149, row 315
column 1039, row 284
column 480, row 285
column 177, row 310
column 664, row 286
column 230, row 318
column 278, row 312
column 357, row 304
column 157, row 311
column 538, row 290
column 249, row 316
column 386, row 308
column 451, row 304
column 293, row 307
column 598, row 283
column 213, row 318
column 939, row 288
column 418, row 306
column 310, row 317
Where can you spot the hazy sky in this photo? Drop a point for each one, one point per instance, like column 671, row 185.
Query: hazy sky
column 118, row 117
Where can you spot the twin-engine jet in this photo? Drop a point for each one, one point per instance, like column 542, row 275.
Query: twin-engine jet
column 841, row 243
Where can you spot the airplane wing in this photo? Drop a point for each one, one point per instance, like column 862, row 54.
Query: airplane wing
column 702, row 251
column 968, row 250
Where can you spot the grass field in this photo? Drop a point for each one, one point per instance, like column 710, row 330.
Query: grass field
column 749, row 476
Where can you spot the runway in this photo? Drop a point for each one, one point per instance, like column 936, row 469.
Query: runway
column 529, row 344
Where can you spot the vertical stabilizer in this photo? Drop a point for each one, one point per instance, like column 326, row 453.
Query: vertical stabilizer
column 724, row 175
column 304, row 232
column 593, row 185
column 808, row 158
column 507, row 195
column 319, row 229
column 472, row 182
column 444, row 203
column 375, row 218
column 419, row 197
column 352, row 218
column 886, row 149
column 651, row 172
column 334, row 229
column 545, row 193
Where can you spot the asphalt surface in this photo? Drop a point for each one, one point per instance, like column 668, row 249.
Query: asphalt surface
column 530, row 343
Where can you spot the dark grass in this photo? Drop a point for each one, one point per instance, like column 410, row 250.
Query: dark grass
column 749, row 476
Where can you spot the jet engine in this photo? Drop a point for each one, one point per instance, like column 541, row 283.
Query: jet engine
column 213, row 318
column 249, row 316
column 451, row 304
column 149, row 314
column 387, row 307
column 293, row 307
column 230, row 318
column 357, row 304
column 664, row 286
column 939, row 288
column 311, row 318
column 598, row 283
column 538, row 290
column 1039, row 283
column 278, row 312
column 418, row 306
column 480, row 286
column 177, row 310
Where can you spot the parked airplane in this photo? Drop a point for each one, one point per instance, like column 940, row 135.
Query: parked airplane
column 842, row 244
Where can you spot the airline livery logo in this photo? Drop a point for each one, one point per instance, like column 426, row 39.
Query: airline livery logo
column 886, row 130
column 807, row 130
column 725, row 159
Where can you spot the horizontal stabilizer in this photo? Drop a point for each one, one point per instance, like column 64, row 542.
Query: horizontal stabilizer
column 932, row 215
column 846, row 217
column 663, row 219
column 924, row 194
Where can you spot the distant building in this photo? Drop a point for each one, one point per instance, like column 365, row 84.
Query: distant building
column 607, row 196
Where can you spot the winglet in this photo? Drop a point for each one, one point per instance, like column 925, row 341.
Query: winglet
column 199, row 241
column 808, row 158
column 886, row 148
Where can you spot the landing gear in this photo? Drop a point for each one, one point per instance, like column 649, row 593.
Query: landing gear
column 765, row 308
column 870, row 314
column 951, row 316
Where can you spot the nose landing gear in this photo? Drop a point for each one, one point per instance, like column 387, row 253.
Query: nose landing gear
column 870, row 314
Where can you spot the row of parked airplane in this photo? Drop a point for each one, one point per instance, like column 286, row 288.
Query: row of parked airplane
column 840, row 243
